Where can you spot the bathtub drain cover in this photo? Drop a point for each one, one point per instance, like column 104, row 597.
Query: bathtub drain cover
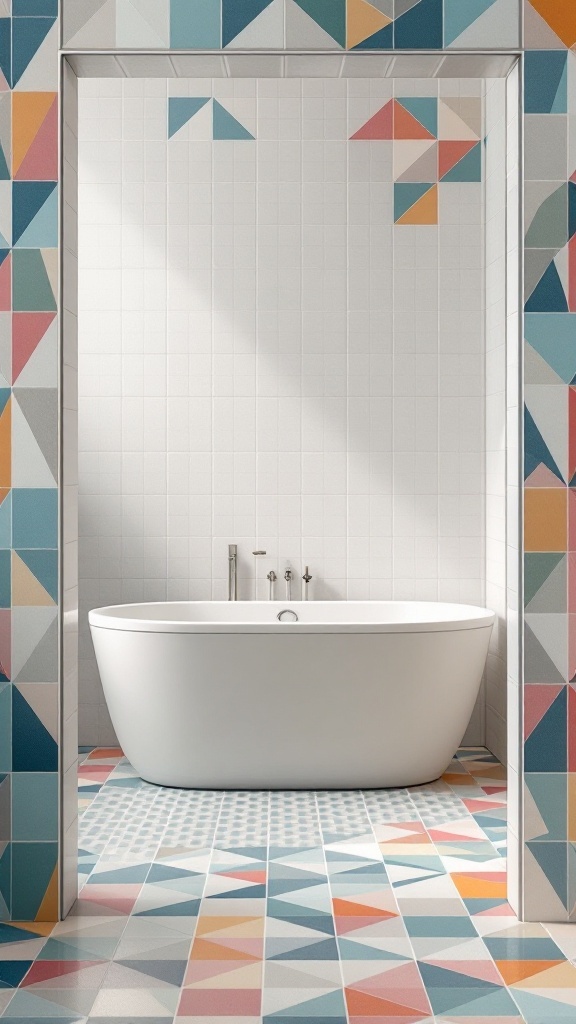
column 287, row 615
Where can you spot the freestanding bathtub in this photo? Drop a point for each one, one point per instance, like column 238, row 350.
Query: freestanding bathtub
column 354, row 694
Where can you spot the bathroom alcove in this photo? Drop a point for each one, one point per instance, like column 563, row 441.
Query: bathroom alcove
column 477, row 507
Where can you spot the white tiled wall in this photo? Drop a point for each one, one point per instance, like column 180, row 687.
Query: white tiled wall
column 266, row 359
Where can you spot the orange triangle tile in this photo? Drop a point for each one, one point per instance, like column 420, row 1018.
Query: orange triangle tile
column 424, row 211
column 361, row 1003
column 560, row 17
column 204, row 950
column 363, row 20
column 209, row 925
column 517, row 970
column 29, row 110
column 48, row 909
column 344, row 908
column 406, row 126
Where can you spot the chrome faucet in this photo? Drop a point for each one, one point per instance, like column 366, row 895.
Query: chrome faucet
column 271, row 577
column 232, row 572
column 288, row 578
column 306, row 577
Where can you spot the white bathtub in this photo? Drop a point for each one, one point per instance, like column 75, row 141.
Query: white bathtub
column 355, row 694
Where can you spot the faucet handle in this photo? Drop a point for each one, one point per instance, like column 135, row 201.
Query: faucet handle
column 288, row 574
column 306, row 577
column 272, row 576
column 258, row 552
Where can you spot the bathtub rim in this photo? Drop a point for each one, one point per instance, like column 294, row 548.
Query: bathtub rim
column 114, row 617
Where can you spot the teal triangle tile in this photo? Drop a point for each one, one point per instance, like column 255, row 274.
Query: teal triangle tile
column 421, row 27
column 478, row 906
column 330, row 1006
column 5, row 579
column 27, row 36
column 79, row 948
column 536, row 451
column 43, row 564
column 469, row 168
column 251, row 892
column 406, row 194
column 225, row 126
column 324, row 950
column 571, row 208
column 381, row 40
column 189, row 908
column 460, row 14
column 164, row 873
column 424, row 109
column 254, row 852
column 553, row 336
column 8, row 933
column 42, row 230
column 33, row 749
column 498, row 1003
column 12, row 972
column 537, row 1009
column 448, row 990
column 522, row 948
column 235, row 16
column 195, row 24
column 330, row 15
column 549, row 792
column 181, row 109
column 545, row 82
column 170, row 971
column 550, row 225
column 548, row 295
column 4, row 396
column 32, row 868
column 31, row 288
column 34, row 8
column 134, row 873
column 437, row 926
column 552, row 858
column 4, row 169
column 12, row 933
column 350, row 950
column 278, row 886
column 545, row 747
column 538, row 567
column 6, row 49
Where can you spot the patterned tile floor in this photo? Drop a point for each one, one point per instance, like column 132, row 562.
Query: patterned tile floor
column 375, row 907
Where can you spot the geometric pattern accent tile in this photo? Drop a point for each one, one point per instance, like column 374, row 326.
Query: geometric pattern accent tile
column 433, row 141
column 29, row 791
column 276, row 24
column 220, row 124
column 549, row 464
column 368, row 907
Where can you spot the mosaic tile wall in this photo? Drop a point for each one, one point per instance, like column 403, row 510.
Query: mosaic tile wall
column 550, row 461
column 28, row 460
column 291, row 24
column 28, row 83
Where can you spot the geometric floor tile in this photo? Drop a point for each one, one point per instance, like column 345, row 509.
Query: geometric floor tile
column 372, row 907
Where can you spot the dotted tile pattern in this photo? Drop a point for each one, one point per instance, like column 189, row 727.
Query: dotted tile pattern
column 359, row 907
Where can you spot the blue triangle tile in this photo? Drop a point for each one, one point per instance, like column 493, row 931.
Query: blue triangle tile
column 330, row 15
column 12, row 972
column 381, row 40
column 469, row 168
column 548, row 295
column 28, row 197
column 225, row 126
column 33, row 749
column 189, row 908
column 236, row 16
column 424, row 109
column 545, row 747
column 406, row 194
column 181, row 109
column 28, row 34
column 536, row 450
column 420, row 27
column 6, row 48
